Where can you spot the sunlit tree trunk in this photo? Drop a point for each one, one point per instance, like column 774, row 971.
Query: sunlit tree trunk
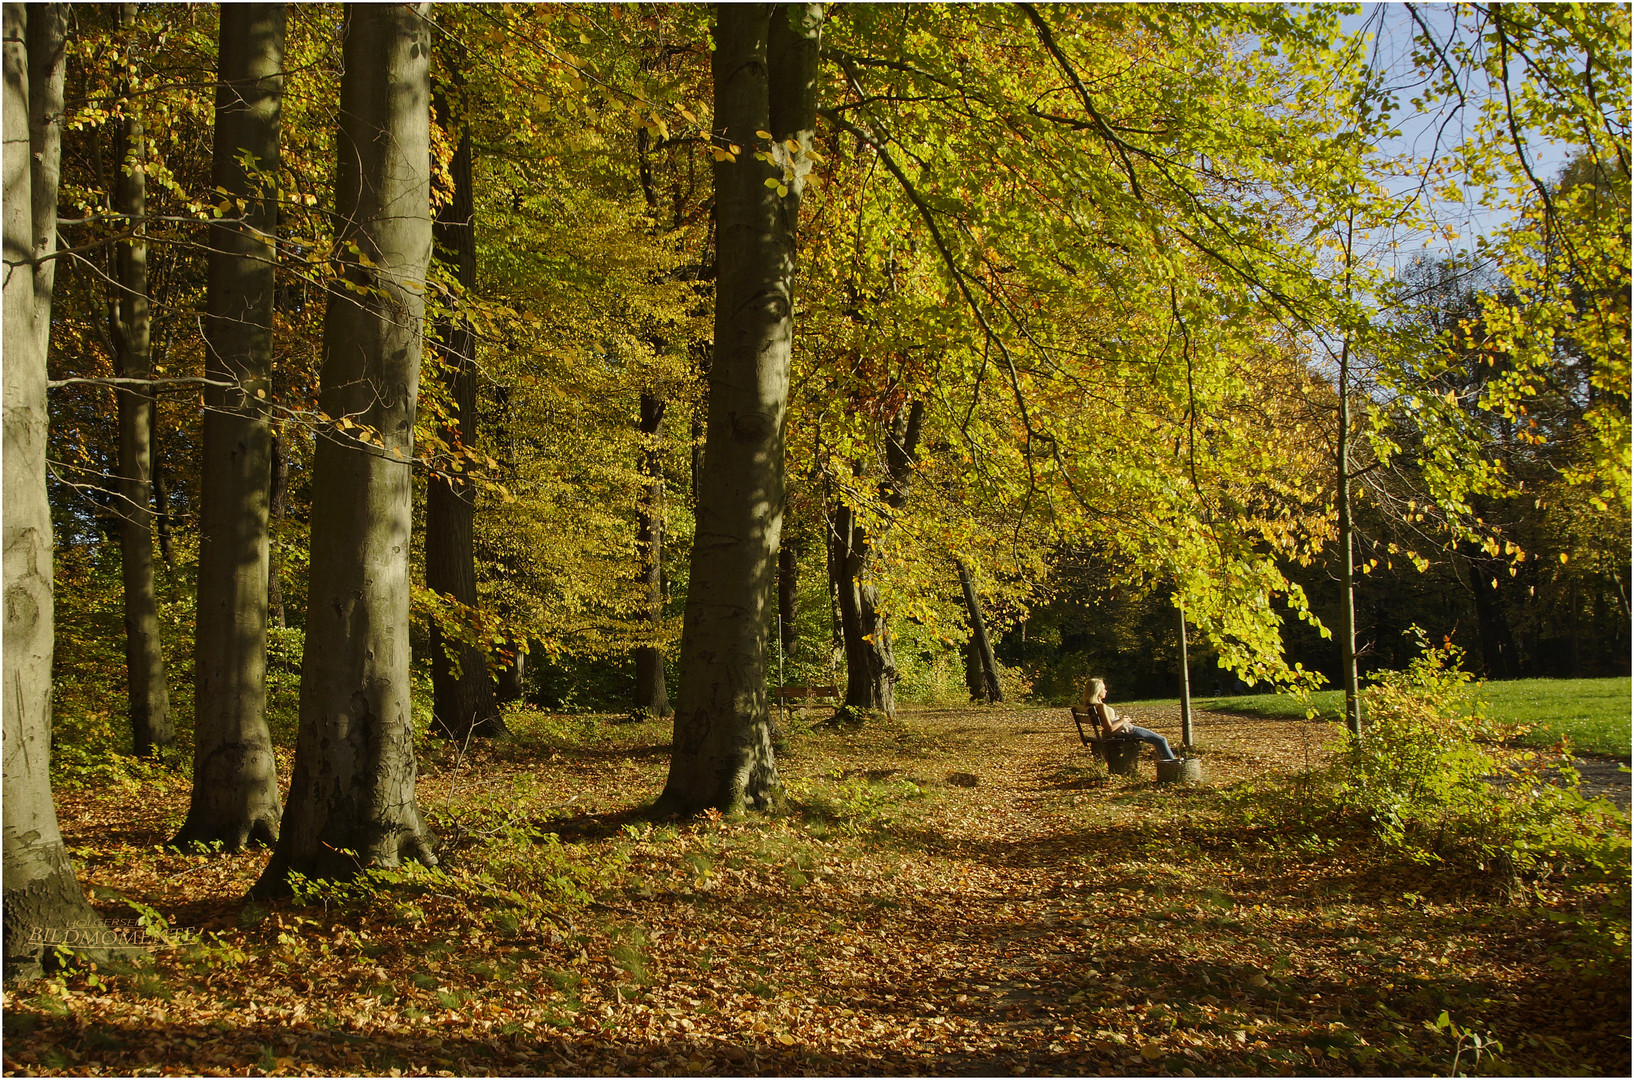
column 235, row 777
column 651, row 695
column 149, row 697
column 1347, row 555
column 43, row 899
column 764, row 67
column 981, row 666
column 870, row 664
column 351, row 799
column 462, row 693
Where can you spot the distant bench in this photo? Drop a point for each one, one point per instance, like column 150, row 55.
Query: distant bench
column 805, row 695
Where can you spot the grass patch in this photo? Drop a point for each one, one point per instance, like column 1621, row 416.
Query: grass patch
column 1593, row 713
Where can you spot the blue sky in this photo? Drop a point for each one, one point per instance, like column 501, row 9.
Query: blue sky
column 1393, row 27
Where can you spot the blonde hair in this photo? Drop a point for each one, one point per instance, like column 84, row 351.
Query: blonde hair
column 1094, row 690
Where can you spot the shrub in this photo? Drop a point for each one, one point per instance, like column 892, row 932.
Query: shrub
column 1417, row 765
column 1433, row 777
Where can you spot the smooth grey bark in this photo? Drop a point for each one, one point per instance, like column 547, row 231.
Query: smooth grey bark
column 651, row 695
column 235, row 776
column 764, row 68
column 1347, row 556
column 870, row 663
column 463, row 704
column 981, row 666
column 44, row 904
column 351, row 799
column 152, row 731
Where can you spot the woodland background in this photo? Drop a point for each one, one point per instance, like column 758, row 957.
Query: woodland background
column 1086, row 324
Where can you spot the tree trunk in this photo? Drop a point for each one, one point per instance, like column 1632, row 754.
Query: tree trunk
column 1185, row 675
column 764, row 67
column 651, row 696
column 351, row 799
column 462, row 694
column 982, row 667
column 1492, row 628
column 277, row 503
column 161, row 492
column 870, row 664
column 1347, row 556
column 788, row 578
column 235, row 776
column 44, row 904
column 151, row 729
column 512, row 683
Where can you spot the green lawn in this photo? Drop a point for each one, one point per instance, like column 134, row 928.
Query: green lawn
column 1593, row 712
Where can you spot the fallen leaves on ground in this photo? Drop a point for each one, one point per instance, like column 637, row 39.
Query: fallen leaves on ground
column 955, row 893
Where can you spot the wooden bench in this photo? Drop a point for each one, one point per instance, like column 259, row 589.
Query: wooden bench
column 1120, row 755
column 805, row 695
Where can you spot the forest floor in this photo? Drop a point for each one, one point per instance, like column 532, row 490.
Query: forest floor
column 958, row 892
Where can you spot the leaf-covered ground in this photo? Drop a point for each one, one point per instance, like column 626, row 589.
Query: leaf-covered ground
column 958, row 892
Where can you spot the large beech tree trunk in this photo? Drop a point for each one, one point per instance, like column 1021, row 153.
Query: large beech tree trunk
column 351, row 799
column 235, row 777
column 764, row 66
column 870, row 665
column 462, row 694
column 44, row 904
column 650, row 692
column 149, row 697
column 981, row 666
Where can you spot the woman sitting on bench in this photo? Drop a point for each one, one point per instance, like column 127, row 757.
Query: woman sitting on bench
column 1120, row 727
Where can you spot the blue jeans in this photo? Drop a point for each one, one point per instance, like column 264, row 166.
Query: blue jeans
column 1146, row 736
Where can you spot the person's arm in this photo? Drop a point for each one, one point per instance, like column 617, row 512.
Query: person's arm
column 1111, row 721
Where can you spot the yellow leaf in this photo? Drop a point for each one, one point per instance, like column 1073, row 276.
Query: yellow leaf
column 764, row 134
column 1151, row 1051
column 684, row 111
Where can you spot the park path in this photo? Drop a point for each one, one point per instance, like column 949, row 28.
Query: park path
column 984, row 944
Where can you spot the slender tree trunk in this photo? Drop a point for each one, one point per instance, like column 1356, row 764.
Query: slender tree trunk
column 870, row 663
column 982, row 668
column 834, row 546
column 161, row 492
column 1492, row 628
column 651, row 695
column 765, row 67
column 462, row 693
column 235, row 776
column 149, row 697
column 351, row 799
column 1347, row 556
column 277, row 503
column 44, row 904
column 788, row 580
column 1185, row 675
